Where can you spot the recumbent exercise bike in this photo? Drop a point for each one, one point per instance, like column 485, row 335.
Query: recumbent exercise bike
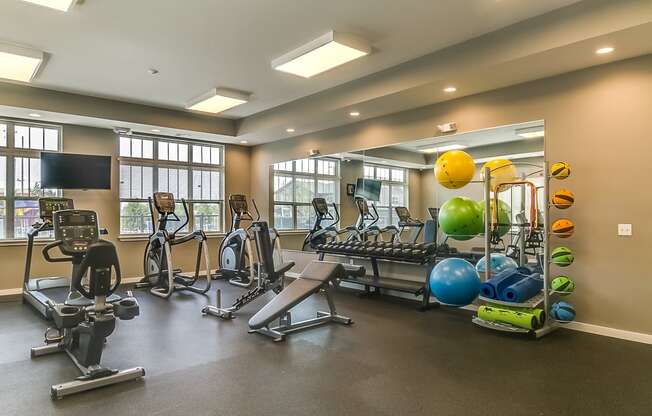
column 81, row 331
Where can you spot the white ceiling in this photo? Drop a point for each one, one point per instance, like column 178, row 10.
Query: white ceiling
column 105, row 47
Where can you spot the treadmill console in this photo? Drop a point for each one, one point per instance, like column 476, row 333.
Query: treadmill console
column 320, row 206
column 47, row 207
column 76, row 229
column 164, row 202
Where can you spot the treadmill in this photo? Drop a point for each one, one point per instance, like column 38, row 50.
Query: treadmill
column 409, row 224
column 43, row 291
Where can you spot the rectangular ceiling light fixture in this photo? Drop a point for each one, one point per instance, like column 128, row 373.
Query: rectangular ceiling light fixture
column 62, row 5
column 445, row 148
column 18, row 63
column 322, row 54
column 531, row 132
column 218, row 100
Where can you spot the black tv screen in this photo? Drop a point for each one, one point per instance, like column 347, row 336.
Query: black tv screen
column 368, row 189
column 72, row 171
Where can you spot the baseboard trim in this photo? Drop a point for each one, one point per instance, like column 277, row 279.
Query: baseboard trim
column 606, row 331
column 10, row 295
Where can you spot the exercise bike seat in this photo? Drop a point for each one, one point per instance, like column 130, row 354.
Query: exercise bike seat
column 312, row 279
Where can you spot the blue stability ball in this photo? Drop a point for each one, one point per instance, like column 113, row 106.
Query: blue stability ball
column 455, row 282
column 499, row 262
column 562, row 311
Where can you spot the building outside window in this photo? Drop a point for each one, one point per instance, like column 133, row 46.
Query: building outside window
column 193, row 171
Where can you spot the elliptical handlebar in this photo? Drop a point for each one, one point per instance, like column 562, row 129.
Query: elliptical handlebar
column 253, row 202
column 185, row 210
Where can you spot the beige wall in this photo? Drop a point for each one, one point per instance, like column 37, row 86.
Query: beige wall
column 77, row 139
column 599, row 121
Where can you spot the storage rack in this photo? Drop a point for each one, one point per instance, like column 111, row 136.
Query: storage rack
column 543, row 298
column 378, row 282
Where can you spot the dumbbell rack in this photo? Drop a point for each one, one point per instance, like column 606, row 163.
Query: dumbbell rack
column 541, row 299
column 378, row 282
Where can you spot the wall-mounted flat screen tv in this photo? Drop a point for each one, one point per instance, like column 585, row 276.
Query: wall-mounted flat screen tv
column 368, row 189
column 73, row 171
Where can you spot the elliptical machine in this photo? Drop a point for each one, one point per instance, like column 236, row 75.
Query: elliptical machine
column 235, row 253
column 320, row 234
column 81, row 331
column 160, row 275
column 366, row 223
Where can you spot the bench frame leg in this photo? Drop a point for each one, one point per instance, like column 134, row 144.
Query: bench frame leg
column 285, row 327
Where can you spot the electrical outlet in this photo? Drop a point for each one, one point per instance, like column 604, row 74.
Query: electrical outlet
column 625, row 230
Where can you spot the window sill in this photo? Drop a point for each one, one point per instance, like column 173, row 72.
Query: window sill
column 293, row 232
column 145, row 237
column 23, row 242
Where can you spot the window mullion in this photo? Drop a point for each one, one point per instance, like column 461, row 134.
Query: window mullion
column 10, row 198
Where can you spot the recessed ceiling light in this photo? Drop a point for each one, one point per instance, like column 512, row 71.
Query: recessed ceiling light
column 34, row 115
column 445, row 148
column 290, row 130
column 62, row 5
column 218, row 100
column 243, row 142
column 531, row 132
column 156, row 131
column 322, row 54
column 450, row 89
column 18, row 63
column 354, row 113
column 605, row 50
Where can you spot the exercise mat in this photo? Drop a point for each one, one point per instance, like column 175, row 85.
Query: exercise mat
column 516, row 318
column 522, row 290
column 493, row 287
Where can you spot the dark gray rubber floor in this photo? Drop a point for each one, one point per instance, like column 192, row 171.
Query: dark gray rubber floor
column 392, row 361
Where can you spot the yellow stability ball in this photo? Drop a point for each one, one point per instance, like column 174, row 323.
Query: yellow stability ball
column 454, row 169
column 502, row 170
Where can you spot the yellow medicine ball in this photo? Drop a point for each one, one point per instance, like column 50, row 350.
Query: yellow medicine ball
column 454, row 169
column 502, row 170
column 560, row 170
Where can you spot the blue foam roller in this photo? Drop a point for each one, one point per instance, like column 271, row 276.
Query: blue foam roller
column 522, row 290
column 493, row 287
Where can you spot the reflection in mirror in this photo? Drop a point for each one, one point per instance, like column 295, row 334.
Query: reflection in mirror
column 389, row 193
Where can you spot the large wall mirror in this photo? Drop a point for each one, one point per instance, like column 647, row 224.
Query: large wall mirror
column 398, row 181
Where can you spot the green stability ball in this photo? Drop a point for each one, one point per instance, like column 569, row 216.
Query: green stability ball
column 460, row 218
column 504, row 211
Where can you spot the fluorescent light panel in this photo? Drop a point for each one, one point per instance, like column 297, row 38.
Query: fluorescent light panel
column 62, row 5
column 531, row 133
column 322, row 54
column 218, row 100
column 18, row 63
column 445, row 148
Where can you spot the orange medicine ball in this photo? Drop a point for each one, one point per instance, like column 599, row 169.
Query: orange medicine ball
column 563, row 199
column 563, row 228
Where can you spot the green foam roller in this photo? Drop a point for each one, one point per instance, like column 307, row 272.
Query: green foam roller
column 506, row 316
column 538, row 313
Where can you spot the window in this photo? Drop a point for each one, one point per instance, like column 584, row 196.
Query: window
column 193, row 172
column 20, row 174
column 393, row 191
column 295, row 183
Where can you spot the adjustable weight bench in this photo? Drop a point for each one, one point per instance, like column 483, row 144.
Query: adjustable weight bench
column 316, row 276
